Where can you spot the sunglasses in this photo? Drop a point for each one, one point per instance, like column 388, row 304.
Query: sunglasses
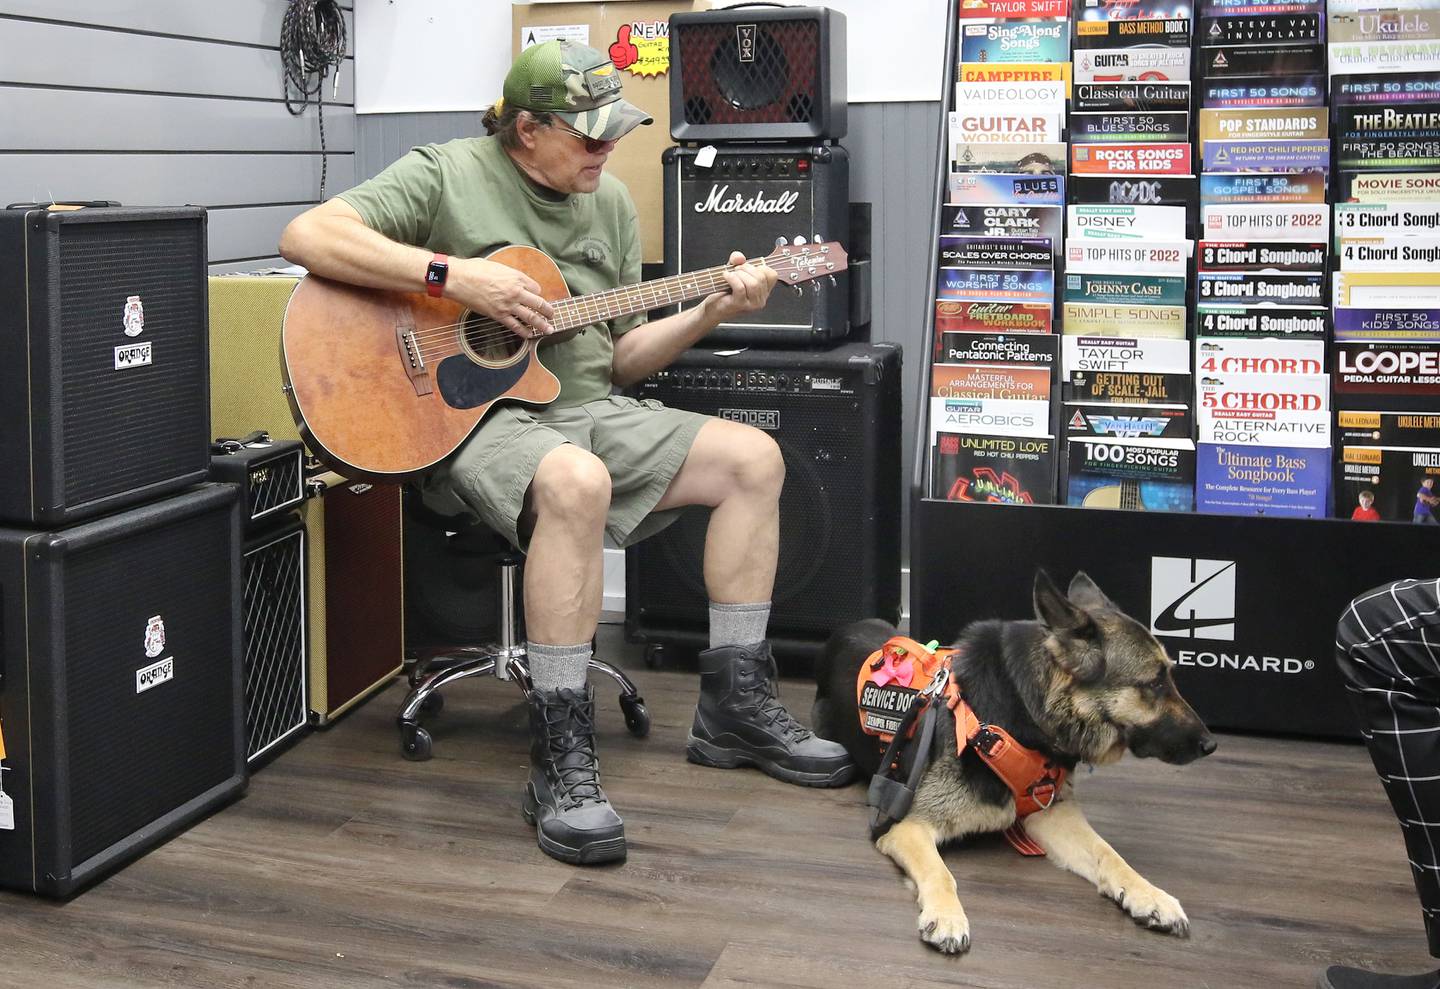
column 592, row 145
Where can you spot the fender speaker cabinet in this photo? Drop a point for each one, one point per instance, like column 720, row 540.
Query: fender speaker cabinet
column 747, row 198
column 104, row 371
column 836, row 417
column 121, row 697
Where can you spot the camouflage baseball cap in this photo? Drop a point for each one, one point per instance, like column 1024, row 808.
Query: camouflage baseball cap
column 577, row 84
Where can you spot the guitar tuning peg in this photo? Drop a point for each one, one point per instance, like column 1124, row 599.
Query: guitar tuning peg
column 816, row 239
column 799, row 289
column 833, row 282
column 799, row 241
column 781, row 242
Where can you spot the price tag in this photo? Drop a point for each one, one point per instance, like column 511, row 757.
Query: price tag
column 7, row 812
column 705, row 157
column 2, row 741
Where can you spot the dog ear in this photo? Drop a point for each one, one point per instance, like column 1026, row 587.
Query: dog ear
column 1057, row 612
column 1071, row 643
column 1087, row 594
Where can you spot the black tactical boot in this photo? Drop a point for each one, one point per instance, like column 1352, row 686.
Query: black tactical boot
column 574, row 820
column 739, row 722
column 1340, row 977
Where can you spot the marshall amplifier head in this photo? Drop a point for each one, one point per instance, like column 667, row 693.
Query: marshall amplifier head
column 104, row 362
column 746, row 199
column 270, row 473
column 747, row 74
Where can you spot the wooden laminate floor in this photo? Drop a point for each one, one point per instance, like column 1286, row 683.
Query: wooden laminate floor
column 347, row 866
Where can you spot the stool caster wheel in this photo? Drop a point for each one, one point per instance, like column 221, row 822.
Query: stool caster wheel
column 654, row 655
column 637, row 718
column 433, row 703
column 414, row 743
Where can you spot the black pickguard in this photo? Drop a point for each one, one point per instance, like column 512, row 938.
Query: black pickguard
column 464, row 384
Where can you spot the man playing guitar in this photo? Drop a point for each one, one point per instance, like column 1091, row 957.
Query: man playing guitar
column 556, row 479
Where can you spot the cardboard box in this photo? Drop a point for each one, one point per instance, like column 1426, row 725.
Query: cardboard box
column 636, row 159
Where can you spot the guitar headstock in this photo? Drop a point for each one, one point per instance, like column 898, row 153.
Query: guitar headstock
column 803, row 262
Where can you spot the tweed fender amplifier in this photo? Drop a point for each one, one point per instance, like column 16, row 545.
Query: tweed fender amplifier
column 357, row 592
column 121, row 702
column 104, row 376
column 277, row 701
column 355, row 609
column 836, row 417
column 748, row 74
column 745, row 200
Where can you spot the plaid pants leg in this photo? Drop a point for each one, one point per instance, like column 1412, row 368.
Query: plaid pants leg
column 1388, row 649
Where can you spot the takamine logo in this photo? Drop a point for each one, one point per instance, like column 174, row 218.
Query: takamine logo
column 154, row 675
column 1192, row 599
column 759, row 418
column 717, row 202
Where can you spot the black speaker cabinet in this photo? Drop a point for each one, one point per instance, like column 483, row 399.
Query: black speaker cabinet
column 753, row 74
column 836, row 417
column 104, row 365
column 270, row 474
column 277, row 703
column 122, row 698
column 746, row 199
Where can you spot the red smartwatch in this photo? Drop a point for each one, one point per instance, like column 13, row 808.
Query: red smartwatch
column 435, row 275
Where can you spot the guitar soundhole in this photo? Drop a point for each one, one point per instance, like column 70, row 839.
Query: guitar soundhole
column 488, row 343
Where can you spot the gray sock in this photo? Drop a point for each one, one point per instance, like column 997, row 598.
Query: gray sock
column 554, row 667
column 738, row 624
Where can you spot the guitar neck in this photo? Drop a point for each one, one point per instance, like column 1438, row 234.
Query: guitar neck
column 583, row 310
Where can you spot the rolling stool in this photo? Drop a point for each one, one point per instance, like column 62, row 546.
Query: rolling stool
column 505, row 659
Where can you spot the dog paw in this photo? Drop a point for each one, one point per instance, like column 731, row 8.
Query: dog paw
column 947, row 931
column 1155, row 909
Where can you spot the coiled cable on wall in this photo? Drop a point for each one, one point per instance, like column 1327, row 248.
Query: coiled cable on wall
column 312, row 44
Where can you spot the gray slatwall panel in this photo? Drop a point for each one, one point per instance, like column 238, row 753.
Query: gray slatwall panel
column 64, row 55
column 81, row 120
column 382, row 138
column 892, row 156
column 173, row 179
column 248, row 233
column 241, row 22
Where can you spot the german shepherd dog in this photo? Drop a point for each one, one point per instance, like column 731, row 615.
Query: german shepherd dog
column 1084, row 682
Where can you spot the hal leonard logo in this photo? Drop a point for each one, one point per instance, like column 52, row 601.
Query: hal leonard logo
column 759, row 418
column 1192, row 599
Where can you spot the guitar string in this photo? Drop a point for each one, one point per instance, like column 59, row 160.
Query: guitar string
column 590, row 305
column 591, row 308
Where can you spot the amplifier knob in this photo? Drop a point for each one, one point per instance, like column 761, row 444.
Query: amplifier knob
column 782, row 381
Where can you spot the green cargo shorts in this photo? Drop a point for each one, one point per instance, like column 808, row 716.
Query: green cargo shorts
column 641, row 442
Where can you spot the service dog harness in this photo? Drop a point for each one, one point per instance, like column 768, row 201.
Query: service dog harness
column 895, row 689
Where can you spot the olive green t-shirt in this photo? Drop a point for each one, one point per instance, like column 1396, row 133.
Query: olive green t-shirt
column 466, row 198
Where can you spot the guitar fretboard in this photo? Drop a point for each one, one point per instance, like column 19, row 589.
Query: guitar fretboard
column 586, row 309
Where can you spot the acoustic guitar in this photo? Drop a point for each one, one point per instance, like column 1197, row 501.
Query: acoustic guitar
column 384, row 385
column 1126, row 494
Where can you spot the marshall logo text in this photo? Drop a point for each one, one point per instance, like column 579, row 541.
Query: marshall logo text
column 720, row 201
